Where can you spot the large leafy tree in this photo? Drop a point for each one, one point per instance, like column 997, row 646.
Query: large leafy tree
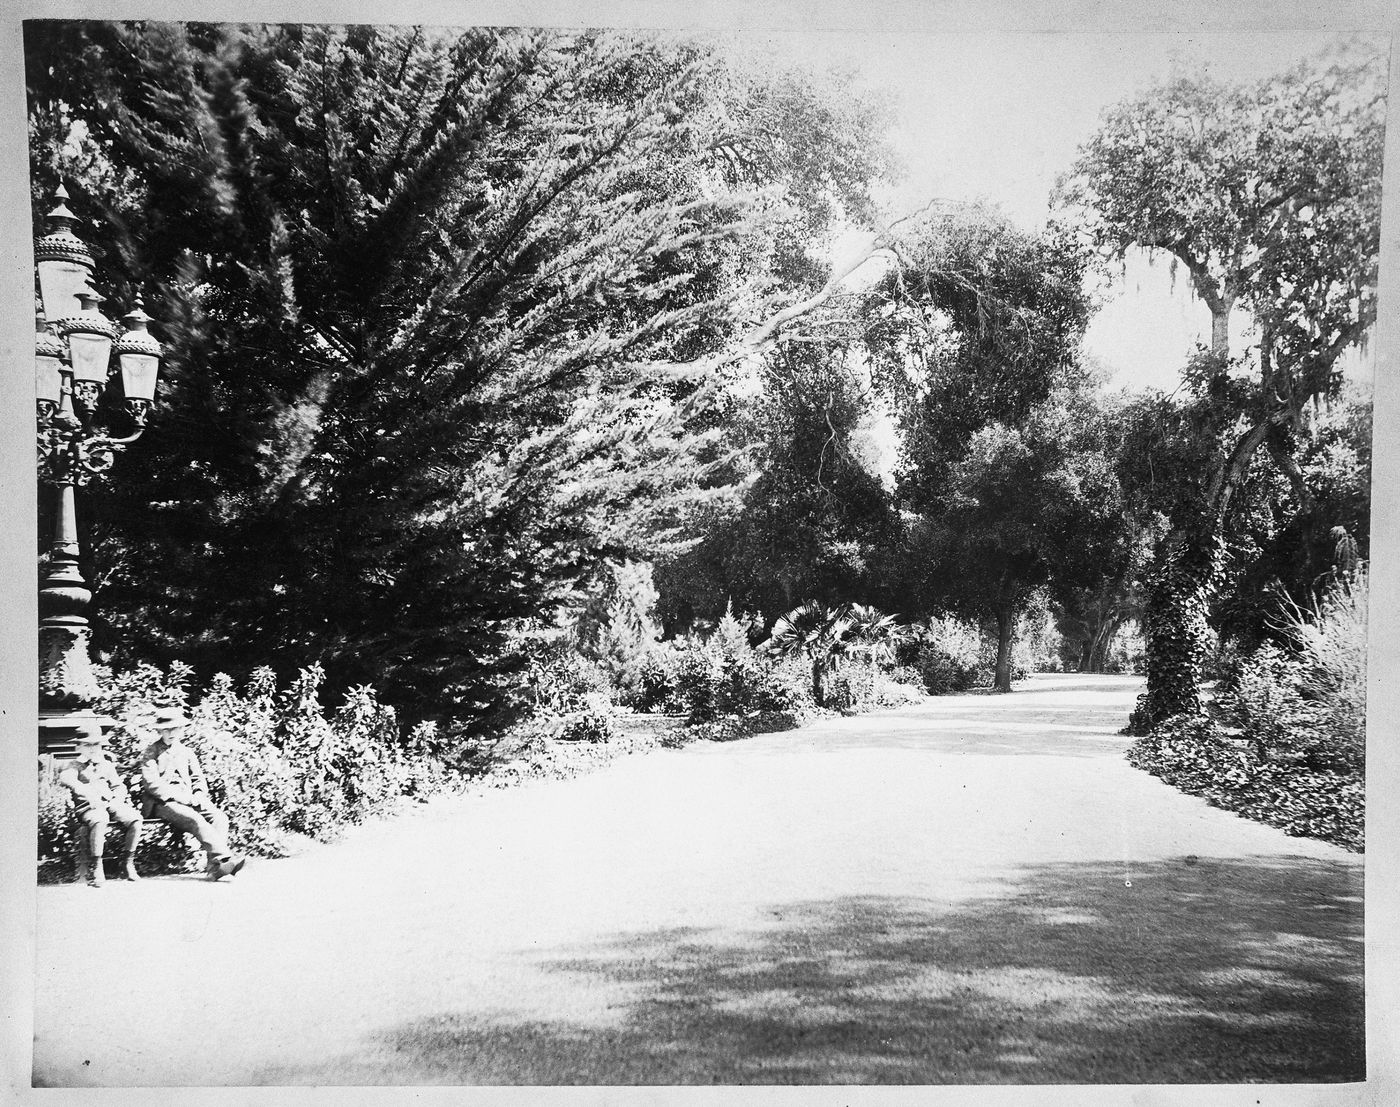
column 441, row 310
column 1026, row 505
column 1281, row 552
column 976, row 330
column 1097, row 597
column 1269, row 195
column 816, row 519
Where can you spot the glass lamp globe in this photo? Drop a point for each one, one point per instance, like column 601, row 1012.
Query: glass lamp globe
column 89, row 340
column 48, row 362
column 64, row 262
column 139, row 354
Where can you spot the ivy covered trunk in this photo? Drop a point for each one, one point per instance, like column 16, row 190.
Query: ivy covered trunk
column 1178, row 600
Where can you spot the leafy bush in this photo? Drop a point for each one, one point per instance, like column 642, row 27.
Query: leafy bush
column 1267, row 706
column 726, row 728
column 940, row 672
column 656, row 688
column 1035, row 647
column 865, row 686
column 1308, row 704
column 1194, row 754
column 276, row 763
column 562, row 681
column 586, row 726
column 716, row 679
column 790, row 684
column 948, row 654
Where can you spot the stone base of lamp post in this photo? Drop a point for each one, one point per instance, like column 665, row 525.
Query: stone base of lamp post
column 59, row 728
column 66, row 675
column 67, row 687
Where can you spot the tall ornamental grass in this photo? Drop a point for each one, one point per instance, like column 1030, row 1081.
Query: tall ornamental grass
column 1331, row 639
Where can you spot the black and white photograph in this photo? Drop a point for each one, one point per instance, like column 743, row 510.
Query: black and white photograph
column 640, row 549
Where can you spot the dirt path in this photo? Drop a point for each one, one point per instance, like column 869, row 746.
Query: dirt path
column 976, row 890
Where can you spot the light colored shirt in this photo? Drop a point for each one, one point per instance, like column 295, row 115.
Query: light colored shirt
column 94, row 783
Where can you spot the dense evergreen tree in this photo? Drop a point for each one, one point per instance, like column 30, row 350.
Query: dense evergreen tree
column 441, row 312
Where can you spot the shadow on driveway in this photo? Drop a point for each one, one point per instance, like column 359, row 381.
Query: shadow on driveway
column 1199, row 971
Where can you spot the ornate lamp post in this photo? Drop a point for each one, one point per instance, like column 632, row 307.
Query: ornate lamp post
column 73, row 349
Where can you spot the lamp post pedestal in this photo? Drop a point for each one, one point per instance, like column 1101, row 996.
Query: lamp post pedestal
column 58, row 730
column 67, row 683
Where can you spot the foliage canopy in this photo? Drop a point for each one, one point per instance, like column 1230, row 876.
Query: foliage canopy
column 433, row 304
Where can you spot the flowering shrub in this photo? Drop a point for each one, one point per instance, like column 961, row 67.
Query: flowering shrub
column 278, row 765
column 586, row 726
column 722, row 676
column 863, row 686
column 656, row 687
column 562, row 681
column 948, row 654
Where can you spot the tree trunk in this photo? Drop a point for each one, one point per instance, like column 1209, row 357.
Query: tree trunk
column 1220, row 332
column 818, row 692
column 1006, row 624
column 1102, row 642
column 1179, row 589
column 1179, row 585
column 1091, row 656
column 1178, row 598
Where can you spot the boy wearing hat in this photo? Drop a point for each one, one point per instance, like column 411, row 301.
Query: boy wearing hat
column 174, row 786
column 99, row 797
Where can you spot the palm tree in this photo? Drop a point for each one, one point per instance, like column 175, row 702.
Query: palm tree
column 874, row 633
column 817, row 632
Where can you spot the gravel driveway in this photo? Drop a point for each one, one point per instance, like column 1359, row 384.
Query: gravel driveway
column 976, row 890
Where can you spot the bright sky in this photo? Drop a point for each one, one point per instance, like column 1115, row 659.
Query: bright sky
column 999, row 116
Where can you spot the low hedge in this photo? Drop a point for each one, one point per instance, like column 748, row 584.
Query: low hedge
column 1196, row 756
